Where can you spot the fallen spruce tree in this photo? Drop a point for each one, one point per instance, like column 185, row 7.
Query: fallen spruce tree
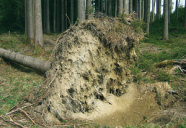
column 28, row 61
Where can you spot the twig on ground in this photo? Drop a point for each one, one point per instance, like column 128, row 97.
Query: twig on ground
column 26, row 114
column 13, row 111
column 12, row 122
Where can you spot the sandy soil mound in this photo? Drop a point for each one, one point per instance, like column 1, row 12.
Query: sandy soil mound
column 91, row 69
column 90, row 77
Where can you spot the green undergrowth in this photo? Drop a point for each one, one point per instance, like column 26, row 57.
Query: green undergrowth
column 15, row 84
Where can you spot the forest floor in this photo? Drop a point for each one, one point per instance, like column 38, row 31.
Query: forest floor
column 16, row 81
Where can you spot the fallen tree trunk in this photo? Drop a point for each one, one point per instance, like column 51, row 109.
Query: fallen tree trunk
column 181, row 62
column 28, row 61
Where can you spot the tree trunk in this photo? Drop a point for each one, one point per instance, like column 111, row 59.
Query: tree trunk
column 177, row 5
column 88, row 8
column 153, row 9
column 158, row 9
column 126, row 6
column 28, row 61
column 142, row 10
column 47, row 17
column 54, row 17
column 130, row 6
column 170, row 8
column 62, row 15
column 120, row 7
column 109, row 8
column 185, row 15
column 29, row 21
column 81, row 10
column 26, row 19
column 58, row 9
column 38, row 30
column 106, row 7
column 116, row 8
column 72, row 11
column 148, row 16
column 165, row 32
column 139, row 10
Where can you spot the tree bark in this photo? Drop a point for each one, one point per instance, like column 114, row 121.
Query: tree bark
column 142, row 10
column 116, row 8
column 177, row 5
column 120, row 7
column 81, row 10
column 139, row 10
column 88, row 8
column 130, row 6
column 148, row 16
column 126, row 6
column 62, row 15
column 29, row 21
column 158, row 9
column 185, row 15
column 72, row 11
column 153, row 9
column 54, row 17
column 38, row 30
column 28, row 61
column 58, row 19
column 165, row 32
column 47, row 17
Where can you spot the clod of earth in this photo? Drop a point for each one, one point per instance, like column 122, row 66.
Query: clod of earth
column 90, row 76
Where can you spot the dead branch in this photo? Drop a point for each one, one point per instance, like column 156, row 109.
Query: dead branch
column 26, row 114
column 181, row 62
column 12, row 122
column 18, row 109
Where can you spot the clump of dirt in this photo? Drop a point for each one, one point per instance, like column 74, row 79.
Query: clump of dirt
column 90, row 76
column 91, row 64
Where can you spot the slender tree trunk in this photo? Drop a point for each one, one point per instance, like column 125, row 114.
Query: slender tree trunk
column 62, row 15
column 47, row 17
column 88, row 8
column 158, row 9
column 120, row 7
column 72, row 11
column 153, row 10
column 185, row 14
column 165, row 32
column 54, row 17
column 142, row 10
column 116, row 8
column 43, row 4
column 30, row 22
column 110, row 7
column 126, row 6
column 139, row 10
column 58, row 16
column 170, row 8
column 81, row 10
column 177, row 6
column 106, row 7
column 38, row 30
column 130, row 6
column 148, row 16
column 26, row 19
column 28, row 61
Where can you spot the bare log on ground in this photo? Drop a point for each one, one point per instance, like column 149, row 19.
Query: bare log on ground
column 28, row 61
column 180, row 62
